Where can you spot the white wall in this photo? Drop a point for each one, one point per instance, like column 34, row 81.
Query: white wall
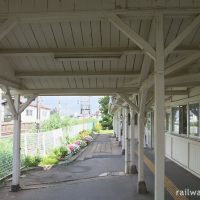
column 184, row 151
column 33, row 117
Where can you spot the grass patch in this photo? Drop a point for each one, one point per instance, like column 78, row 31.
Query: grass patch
column 106, row 131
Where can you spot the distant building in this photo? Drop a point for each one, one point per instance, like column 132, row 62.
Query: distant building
column 34, row 114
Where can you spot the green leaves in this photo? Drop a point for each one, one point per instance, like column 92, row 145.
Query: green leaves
column 55, row 122
column 106, row 121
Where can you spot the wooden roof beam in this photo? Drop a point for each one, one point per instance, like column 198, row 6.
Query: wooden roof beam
column 78, row 91
column 132, row 35
column 59, row 74
column 182, row 36
column 6, row 27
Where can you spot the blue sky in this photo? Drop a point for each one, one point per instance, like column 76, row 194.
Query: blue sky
column 70, row 104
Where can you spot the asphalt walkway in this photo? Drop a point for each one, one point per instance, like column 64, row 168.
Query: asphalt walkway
column 98, row 175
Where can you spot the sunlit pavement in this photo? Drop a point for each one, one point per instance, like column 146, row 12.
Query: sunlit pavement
column 96, row 174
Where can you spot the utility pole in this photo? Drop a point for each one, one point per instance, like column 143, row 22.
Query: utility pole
column 38, row 115
column 85, row 107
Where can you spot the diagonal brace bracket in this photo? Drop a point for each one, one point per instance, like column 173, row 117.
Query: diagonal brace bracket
column 129, row 102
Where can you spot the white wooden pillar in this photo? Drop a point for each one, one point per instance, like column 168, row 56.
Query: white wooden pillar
column 113, row 124
column 1, row 111
column 159, row 118
column 141, row 127
column 119, row 128
column 127, row 141
column 16, row 146
column 123, row 131
column 133, row 168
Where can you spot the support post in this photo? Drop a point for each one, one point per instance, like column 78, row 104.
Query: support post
column 141, row 182
column 1, row 111
column 159, row 111
column 120, row 127
column 117, row 125
column 133, row 168
column 127, row 141
column 16, row 146
column 123, row 132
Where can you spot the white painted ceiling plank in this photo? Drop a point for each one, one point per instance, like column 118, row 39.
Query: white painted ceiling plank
column 196, row 39
column 46, row 28
column 186, row 3
column 96, row 33
column 79, row 82
column 58, row 35
column 113, row 65
column 106, row 65
column 99, row 65
column 135, row 25
column 82, row 65
column 41, row 5
column 195, row 23
column 28, row 33
column 77, row 35
column 67, row 32
column 27, row 5
column 6, row 27
column 132, row 35
column 39, row 35
column 172, row 33
column 86, row 82
column 86, row 32
column 13, row 40
column 5, row 43
column 75, row 65
column 67, row 66
column 106, row 33
column 100, row 82
column 114, row 34
column 20, row 36
column 72, row 83
column 90, row 65
column 129, row 63
column 188, row 40
column 14, row 5
column 93, row 82
column 123, row 40
column 121, row 64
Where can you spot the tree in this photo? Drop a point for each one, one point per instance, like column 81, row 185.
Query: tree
column 106, row 121
column 55, row 121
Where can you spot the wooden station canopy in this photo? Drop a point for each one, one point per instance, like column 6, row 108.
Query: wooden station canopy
column 96, row 47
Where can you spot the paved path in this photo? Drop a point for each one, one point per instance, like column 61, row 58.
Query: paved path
column 98, row 175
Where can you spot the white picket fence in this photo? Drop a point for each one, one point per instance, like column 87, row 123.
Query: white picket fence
column 37, row 143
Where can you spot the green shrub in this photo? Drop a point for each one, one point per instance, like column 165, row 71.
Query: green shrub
column 60, row 152
column 49, row 160
column 55, row 122
column 32, row 161
column 83, row 134
column 97, row 127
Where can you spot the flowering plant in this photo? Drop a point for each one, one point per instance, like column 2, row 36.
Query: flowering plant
column 88, row 139
column 78, row 142
column 71, row 147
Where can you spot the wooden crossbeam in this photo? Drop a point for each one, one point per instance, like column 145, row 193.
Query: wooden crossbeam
column 182, row 36
column 6, row 27
column 59, row 74
column 132, row 35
